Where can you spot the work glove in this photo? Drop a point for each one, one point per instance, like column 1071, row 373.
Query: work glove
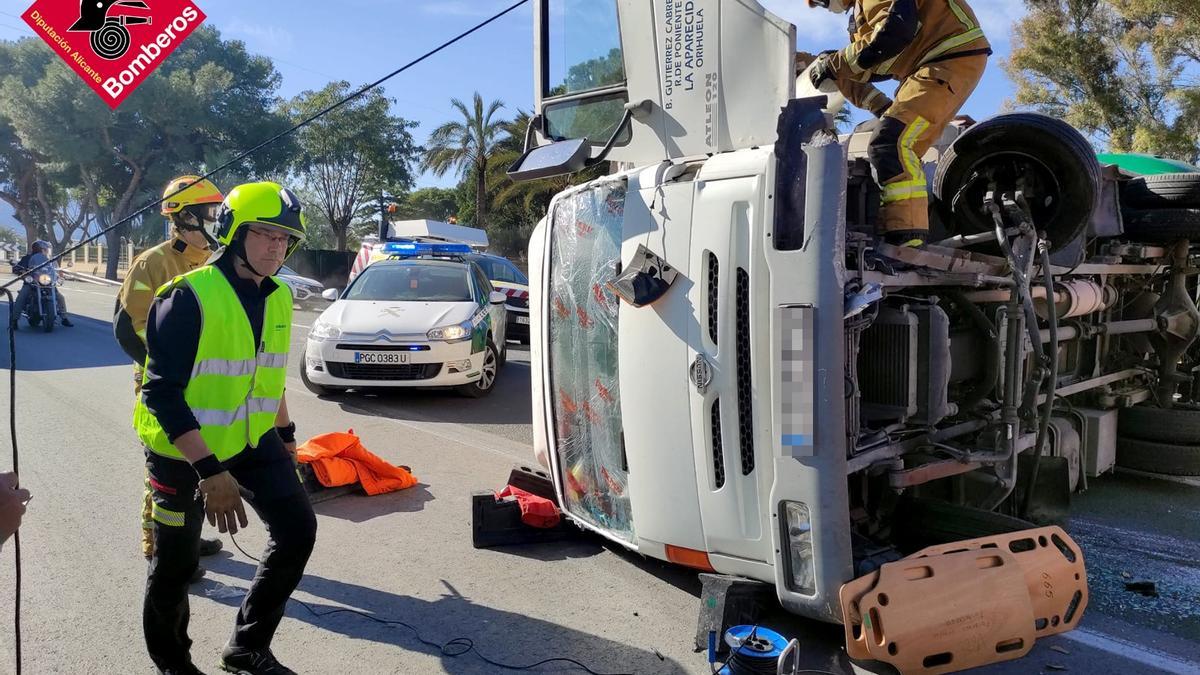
column 222, row 502
column 822, row 69
column 12, row 505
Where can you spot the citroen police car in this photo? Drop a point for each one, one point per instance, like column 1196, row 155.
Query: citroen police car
column 424, row 316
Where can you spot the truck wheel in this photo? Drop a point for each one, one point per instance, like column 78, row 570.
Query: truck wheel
column 1057, row 164
column 1162, row 191
column 1162, row 225
column 487, row 381
column 926, row 522
column 1165, row 458
column 318, row 389
column 1179, row 425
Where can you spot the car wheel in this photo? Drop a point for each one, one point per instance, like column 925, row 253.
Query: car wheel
column 1154, row 457
column 318, row 389
column 487, row 380
column 1164, row 191
column 1061, row 177
column 1162, row 225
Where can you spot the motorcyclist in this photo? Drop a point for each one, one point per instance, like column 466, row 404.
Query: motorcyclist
column 38, row 254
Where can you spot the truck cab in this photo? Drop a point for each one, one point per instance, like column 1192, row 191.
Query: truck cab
column 732, row 372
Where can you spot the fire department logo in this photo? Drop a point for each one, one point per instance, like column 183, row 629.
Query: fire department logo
column 113, row 45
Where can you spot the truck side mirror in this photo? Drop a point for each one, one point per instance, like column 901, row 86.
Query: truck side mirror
column 547, row 161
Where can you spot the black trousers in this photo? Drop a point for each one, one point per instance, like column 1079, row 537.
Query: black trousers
column 269, row 483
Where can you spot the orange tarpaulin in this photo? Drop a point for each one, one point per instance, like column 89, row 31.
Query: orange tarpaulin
column 340, row 459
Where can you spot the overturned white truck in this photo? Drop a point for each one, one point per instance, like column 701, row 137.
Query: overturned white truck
column 731, row 371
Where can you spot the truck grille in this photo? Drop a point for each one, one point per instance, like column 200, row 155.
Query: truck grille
column 373, row 372
column 714, row 269
column 744, row 388
column 717, row 448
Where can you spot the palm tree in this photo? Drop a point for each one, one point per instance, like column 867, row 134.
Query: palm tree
column 467, row 147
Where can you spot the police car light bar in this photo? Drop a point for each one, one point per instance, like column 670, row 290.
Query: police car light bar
column 416, row 249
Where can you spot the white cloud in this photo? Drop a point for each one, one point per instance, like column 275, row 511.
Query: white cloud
column 265, row 38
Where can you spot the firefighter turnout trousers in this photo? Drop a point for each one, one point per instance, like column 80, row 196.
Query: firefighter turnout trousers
column 926, row 102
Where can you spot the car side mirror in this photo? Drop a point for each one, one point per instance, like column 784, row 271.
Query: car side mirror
column 498, row 298
column 330, row 294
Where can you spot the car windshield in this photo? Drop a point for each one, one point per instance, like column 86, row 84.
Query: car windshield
column 412, row 283
column 288, row 271
column 502, row 271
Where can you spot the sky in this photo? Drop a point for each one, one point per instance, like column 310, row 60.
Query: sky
column 313, row 43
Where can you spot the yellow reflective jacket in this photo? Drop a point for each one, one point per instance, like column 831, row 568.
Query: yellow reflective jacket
column 150, row 271
column 891, row 39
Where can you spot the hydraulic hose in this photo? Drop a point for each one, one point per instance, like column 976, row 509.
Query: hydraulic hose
column 1052, row 385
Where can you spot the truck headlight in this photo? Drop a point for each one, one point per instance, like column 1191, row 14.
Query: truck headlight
column 802, row 573
column 322, row 331
column 451, row 333
column 45, row 279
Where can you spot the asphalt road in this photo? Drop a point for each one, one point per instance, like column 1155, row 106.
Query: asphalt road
column 408, row 556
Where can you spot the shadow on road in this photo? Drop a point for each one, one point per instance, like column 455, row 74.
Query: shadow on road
column 509, row 404
column 90, row 344
column 360, row 508
column 507, row 637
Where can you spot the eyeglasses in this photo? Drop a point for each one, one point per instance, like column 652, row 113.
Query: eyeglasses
column 273, row 237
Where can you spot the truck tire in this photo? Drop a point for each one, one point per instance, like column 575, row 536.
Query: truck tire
column 1154, row 457
column 926, row 522
column 1063, row 175
column 1162, row 225
column 1164, row 191
column 1179, row 425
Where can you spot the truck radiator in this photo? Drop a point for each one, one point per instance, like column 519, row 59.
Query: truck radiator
column 744, row 383
column 904, row 365
column 718, row 448
column 714, row 269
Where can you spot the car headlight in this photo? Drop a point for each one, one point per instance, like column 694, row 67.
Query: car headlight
column 324, row 331
column 45, row 279
column 451, row 333
column 801, row 565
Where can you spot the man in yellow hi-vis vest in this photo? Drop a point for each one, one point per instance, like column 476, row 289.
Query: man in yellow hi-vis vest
column 938, row 51
column 190, row 204
column 215, row 425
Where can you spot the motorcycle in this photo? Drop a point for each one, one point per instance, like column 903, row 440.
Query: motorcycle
column 42, row 306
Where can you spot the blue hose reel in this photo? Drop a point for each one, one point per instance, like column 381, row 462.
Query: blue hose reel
column 753, row 650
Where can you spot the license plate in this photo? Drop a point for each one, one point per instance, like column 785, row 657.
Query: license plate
column 380, row 358
column 523, row 320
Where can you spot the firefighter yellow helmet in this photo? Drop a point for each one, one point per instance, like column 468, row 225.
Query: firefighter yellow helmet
column 268, row 204
column 192, row 191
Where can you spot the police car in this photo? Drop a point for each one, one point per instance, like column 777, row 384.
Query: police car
column 512, row 282
column 424, row 316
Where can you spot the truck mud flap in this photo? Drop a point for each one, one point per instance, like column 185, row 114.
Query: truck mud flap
column 973, row 614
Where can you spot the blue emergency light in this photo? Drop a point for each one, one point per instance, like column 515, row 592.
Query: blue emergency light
column 409, row 249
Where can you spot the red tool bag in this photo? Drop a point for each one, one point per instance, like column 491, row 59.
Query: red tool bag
column 535, row 511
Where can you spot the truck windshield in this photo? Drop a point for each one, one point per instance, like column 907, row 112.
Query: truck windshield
column 583, row 54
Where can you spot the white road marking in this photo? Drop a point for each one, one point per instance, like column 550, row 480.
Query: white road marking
column 1151, row 658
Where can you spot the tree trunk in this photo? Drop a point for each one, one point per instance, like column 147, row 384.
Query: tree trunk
column 481, row 196
column 339, row 233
